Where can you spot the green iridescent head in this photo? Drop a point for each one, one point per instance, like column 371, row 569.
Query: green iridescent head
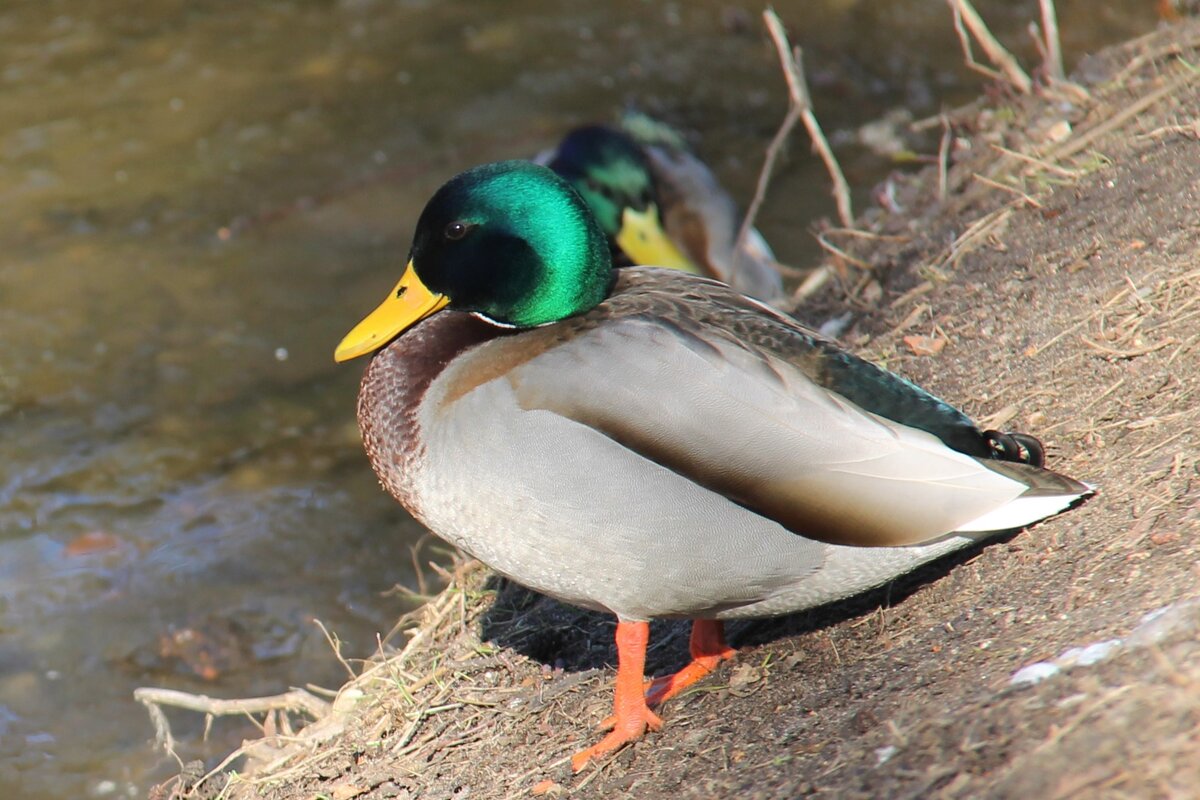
column 608, row 170
column 613, row 176
column 510, row 242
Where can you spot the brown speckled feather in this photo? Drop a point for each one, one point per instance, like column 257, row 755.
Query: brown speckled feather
column 395, row 384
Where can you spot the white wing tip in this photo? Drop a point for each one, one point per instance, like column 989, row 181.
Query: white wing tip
column 1024, row 511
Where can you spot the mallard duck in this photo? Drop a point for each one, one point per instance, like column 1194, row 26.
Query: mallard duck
column 652, row 443
column 659, row 204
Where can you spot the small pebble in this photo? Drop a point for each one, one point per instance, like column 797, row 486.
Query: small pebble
column 884, row 754
column 1087, row 656
column 1034, row 673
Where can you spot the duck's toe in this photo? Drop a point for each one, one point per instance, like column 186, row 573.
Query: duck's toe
column 708, row 650
column 631, row 716
column 628, row 725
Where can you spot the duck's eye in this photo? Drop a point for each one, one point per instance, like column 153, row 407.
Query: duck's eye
column 601, row 189
column 456, row 230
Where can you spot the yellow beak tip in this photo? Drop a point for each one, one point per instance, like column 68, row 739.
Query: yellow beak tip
column 354, row 346
column 643, row 239
column 407, row 304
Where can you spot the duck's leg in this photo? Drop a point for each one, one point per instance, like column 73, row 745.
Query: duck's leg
column 631, row 716
column 708, row 648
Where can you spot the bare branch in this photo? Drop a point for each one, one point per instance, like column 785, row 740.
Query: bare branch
column 799, row 108
column 1054, row 59
column 154, row 700
column 295, row 700
column 1010, row 70
column 944, row 158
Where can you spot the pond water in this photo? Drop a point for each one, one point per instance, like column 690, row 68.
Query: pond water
column 198, row 198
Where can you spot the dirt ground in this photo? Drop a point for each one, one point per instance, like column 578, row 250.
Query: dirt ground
column 1056, row 292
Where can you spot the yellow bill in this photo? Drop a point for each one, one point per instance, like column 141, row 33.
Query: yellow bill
column 644, row 241
column 409, row 303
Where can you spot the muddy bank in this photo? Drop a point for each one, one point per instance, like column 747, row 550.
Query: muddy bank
column 1049, row 281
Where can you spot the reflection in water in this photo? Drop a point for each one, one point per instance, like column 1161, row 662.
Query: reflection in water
column 198, row 198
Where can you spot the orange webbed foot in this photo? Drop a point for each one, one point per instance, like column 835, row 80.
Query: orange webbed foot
column 633, row 698
column 624, row 730
column 708, row 650
column 631, row 717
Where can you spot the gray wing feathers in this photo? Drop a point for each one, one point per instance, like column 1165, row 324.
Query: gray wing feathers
column 756, row 430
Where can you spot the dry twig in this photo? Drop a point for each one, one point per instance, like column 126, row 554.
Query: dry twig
column 842, row 254
column 974, row 236
column 944, row 158
column 856, row 233
column 295, row 700
column 1005, row 187
column 812, row 284
column 799, row 108
column 154, row 699
column 1053, row 47
column 1008, row 68
column 1040, row 163
column 1174, row 49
